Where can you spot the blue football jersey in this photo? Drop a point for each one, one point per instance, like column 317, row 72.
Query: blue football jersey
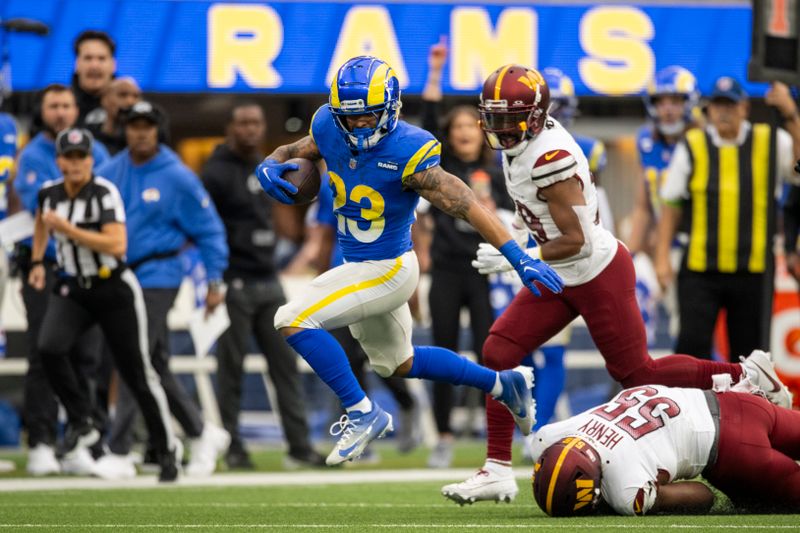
column 595, row 152
column 654, row 156
column 8, row 149
column 374, row 211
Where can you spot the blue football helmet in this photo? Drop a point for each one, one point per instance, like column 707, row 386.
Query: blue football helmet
column 563, row 103
column 672, row 80
column 365, row 85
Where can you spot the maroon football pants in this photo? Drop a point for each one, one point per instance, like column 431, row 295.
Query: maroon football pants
column 758, row 446
column 608, row 306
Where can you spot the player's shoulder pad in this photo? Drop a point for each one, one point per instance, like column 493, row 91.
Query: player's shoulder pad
column 554, row 165
column 644, row 139
column 320, row 118
column 594, row 150
column 417, row 149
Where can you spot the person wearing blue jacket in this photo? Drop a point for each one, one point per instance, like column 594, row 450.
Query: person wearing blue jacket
column 36, row 166
column 167, row 208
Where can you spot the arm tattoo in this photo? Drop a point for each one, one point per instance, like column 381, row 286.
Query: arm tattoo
column 305, row 148
column 443, row 190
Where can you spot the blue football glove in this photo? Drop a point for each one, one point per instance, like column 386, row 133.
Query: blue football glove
column 530, row 269
column 269, row 174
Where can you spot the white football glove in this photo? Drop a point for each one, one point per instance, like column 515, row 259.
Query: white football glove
column 490, row 261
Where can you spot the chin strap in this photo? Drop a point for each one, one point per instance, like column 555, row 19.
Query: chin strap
column 671, row 130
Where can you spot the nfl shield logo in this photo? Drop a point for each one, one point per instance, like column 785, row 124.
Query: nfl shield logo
column 352, row 164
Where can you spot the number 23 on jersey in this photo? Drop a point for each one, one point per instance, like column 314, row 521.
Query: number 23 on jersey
column 372, row 213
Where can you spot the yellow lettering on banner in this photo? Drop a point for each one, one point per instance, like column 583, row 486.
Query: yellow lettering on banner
column 243, row 39
column 368, row 30
column 617, row 40
column 477, row 49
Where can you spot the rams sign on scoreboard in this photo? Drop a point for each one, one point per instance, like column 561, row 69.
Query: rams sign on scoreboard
column 294, row 47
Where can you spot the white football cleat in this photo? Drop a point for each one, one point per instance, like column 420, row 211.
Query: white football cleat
column 761, row 372
column 78, row 462
column 483, row 486
column 112, row 466
column 42, row 461
column 206, row 450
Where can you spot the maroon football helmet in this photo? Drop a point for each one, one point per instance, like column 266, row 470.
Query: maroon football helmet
column 566, row 478
column 513, row 106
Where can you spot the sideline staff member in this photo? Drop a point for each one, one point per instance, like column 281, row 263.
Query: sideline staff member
column 720, row 186
column 87, row 217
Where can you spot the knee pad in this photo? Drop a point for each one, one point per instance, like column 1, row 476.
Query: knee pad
column 284, row 317
column 641, row 376
column 383, row 371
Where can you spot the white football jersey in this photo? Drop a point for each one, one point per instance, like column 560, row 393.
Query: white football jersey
column 641, row 431
column 550, row 157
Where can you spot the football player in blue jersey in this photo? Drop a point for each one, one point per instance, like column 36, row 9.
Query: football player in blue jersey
column 672, row 108
column 671, row 102
column 8, row 150
column 379, row 166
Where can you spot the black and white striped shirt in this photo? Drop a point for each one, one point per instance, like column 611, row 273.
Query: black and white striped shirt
column 98, row 203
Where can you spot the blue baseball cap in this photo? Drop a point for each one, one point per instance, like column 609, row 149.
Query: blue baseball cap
column 729, row 89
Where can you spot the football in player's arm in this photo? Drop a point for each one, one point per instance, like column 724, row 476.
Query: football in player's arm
column 441, row 189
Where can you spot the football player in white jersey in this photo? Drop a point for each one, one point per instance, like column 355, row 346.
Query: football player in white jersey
column 630, row 451
column 548, row 178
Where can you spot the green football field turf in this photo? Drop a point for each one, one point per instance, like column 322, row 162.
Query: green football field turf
column 371, row 507
column 383, row 506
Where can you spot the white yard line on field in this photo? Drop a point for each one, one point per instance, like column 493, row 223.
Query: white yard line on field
column 247, row 480
column 638, row 526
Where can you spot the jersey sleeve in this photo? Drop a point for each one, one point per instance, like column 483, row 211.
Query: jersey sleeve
column 552, row 167
column 111, row 207
column 676, row 181
column 597, row 157
column 425, row 152
column 644, row 142
column 629, row 488
column 8, row 145
column 315, row 130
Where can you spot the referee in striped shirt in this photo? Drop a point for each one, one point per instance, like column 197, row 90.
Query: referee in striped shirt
column 86, row 216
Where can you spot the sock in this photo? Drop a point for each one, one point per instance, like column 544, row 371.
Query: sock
column 365, row 406
column 441, row 364
column 497, row 390
column 549, row 384
column 327, row 358
column 495, row 466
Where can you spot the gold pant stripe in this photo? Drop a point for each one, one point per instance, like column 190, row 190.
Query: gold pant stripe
column 344, row 291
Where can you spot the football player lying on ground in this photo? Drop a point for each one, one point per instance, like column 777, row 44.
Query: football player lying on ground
column 379, row 167
column 629, row 453
column 549, row 180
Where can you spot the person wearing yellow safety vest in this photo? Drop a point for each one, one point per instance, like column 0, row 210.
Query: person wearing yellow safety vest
column 721, row 185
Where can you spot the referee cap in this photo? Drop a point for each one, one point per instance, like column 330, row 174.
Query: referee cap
column 74, row 140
